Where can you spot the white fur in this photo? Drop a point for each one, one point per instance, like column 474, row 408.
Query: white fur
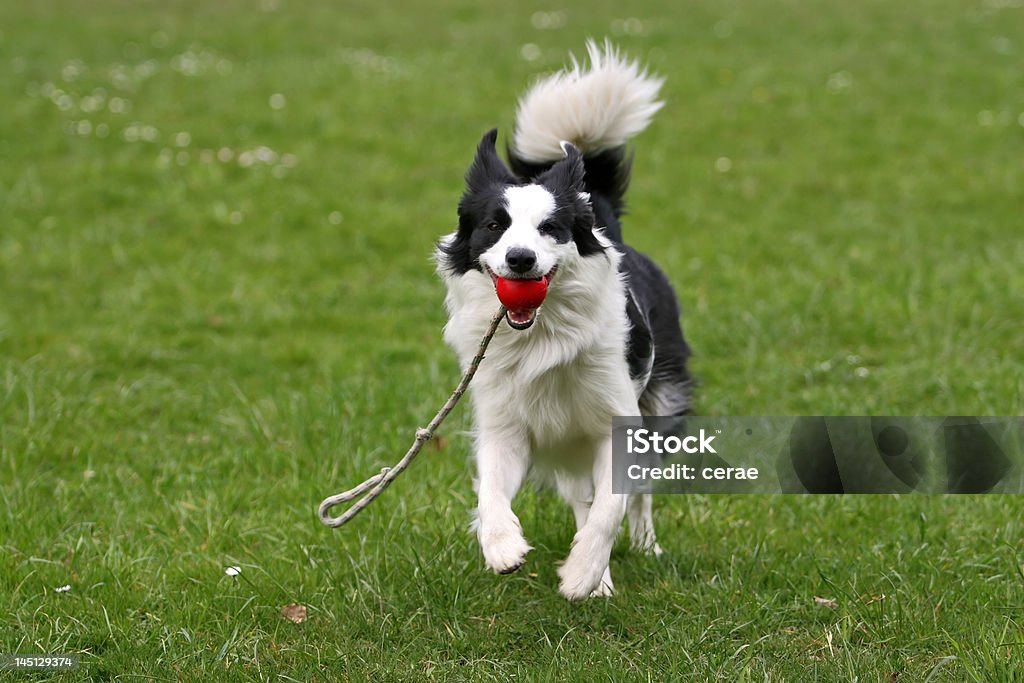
column 594, row 108
column 546, row 396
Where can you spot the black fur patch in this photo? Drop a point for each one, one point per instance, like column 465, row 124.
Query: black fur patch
column 565, row 180
column 640, row 352
column 482, row 214
column 654, row 324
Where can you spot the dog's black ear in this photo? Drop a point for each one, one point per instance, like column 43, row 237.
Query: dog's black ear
column 488, row 168
column 567, row 175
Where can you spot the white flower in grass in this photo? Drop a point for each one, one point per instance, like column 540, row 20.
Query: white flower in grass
column 232, row 571
column 62, row 589
column 531, row 52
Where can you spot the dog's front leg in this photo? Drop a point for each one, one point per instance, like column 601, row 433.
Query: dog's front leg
column 587, row 565
column 502, row 461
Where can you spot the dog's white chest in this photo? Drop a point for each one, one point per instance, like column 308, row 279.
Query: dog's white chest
column 565, row 404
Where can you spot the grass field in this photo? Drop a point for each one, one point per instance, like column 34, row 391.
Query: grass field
column 217, row 307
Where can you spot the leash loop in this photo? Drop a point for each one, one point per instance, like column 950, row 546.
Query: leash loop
column 366, row 492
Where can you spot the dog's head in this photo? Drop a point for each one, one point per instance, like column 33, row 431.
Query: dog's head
column 518, row 229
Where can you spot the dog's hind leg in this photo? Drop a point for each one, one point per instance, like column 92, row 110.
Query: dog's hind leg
column 664, row 398
column 578, row 492
column 641, row 524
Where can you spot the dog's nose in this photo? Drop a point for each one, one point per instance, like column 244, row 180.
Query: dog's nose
column 520, row 260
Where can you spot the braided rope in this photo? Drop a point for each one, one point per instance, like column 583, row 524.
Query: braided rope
column 380, row 481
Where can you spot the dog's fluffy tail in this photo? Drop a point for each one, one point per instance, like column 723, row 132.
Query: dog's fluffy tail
column 596, row 107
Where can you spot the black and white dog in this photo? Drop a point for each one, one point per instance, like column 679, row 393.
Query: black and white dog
column 605, row 342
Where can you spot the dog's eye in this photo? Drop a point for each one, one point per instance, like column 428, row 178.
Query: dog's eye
column 493, row 225
column 546, row 228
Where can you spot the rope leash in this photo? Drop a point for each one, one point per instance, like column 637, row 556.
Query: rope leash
column 380, row 481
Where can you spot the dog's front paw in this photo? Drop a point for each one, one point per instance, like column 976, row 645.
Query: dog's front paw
column 504, row 550
column 581, row 577
column 605, row 589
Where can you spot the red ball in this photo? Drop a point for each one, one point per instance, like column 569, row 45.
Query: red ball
column 518, row 295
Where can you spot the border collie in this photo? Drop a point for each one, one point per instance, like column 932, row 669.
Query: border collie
column 605, row 342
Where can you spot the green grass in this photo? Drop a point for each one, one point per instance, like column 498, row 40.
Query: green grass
column 194, row 352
